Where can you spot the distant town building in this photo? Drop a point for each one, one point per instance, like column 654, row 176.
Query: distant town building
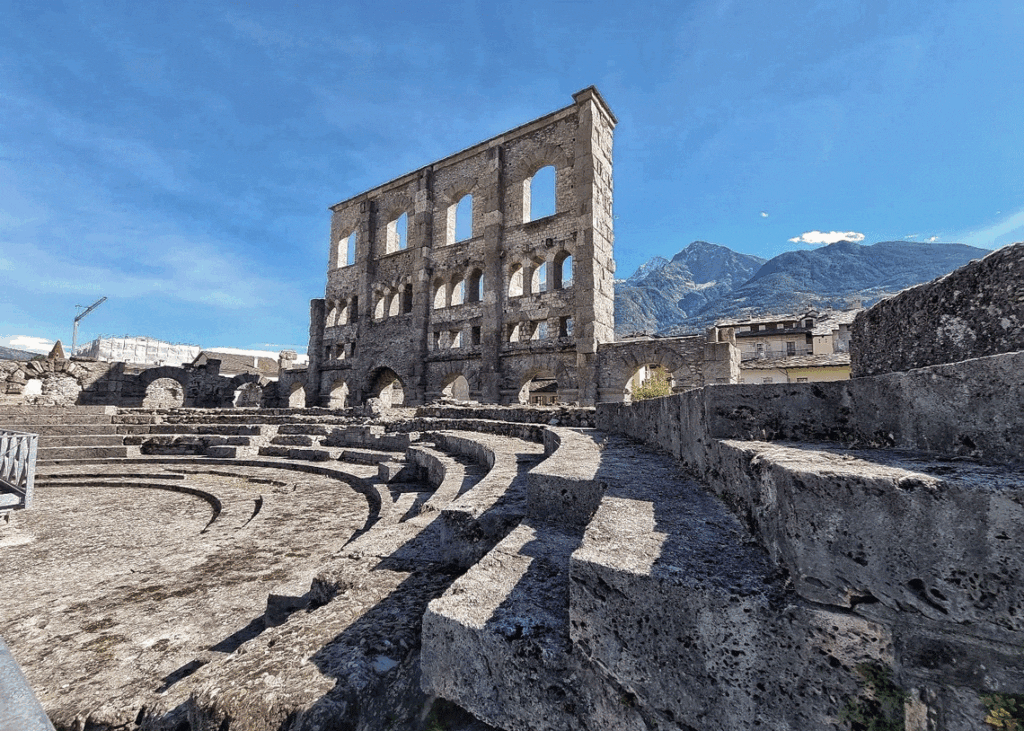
column 801, row 348
column 139, row 351
column 233, row 364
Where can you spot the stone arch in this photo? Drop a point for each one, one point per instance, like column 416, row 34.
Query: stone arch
column 397, row 225
column 297, row 396
column 544, row 368
column 622, row 362
column 247, row 396
column 560, row 275
column 533, row 160
column 385, row 384
column 338, row 395
column 163, row 393
column 456, row 386
column 247, row 390
column 475, row 285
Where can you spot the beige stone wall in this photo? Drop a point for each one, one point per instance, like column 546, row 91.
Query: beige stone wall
column 421, row 311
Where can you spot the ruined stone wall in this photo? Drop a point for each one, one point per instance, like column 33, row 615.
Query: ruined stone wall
column 682, row 357
column 925, row 543
column 974, row 311
column 417, row 304
column 62, row 382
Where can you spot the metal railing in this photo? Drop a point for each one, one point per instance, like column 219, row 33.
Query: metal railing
column 19, row 708
column 774, row 353
column 17, row 468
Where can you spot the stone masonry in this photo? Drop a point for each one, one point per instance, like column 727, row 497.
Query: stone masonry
column 418, row 307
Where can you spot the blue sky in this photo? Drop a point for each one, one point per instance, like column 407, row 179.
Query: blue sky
column 179, row 158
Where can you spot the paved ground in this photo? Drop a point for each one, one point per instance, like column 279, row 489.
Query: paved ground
column 117, row 588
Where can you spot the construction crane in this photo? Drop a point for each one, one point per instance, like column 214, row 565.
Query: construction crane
column 74, row 333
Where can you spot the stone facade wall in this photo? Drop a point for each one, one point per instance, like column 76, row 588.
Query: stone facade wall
column 419, row 305
column 974, row 311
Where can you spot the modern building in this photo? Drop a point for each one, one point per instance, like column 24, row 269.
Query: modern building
column 138, row 351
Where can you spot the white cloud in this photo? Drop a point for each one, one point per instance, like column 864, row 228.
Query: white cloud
column 27, row 342
column 820, row 237
column 764, row 214
column 932, row 239
column 908, row 237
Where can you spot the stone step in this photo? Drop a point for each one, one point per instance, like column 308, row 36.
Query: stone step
column 47, row 455
column 29, row 410
column 44, row 430
column 670, row 594
column 299, row 453
column 87, row 439
column 943, row 538
column 481, row 516
column 25, row 422
column 295, row 440
column 498, row 644
column 219, row 429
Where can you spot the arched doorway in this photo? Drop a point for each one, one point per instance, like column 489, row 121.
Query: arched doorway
column 456, row 387
column 164, row 393
column 388, row 388
column 248, row 396
column 339, row 395
column 650, row 380
column 540, row 390
column 297, row 397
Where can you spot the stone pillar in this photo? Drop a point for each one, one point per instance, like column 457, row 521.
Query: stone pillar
column 594, row 320
column 721, row 356
column 317, row 315
column 490, row 190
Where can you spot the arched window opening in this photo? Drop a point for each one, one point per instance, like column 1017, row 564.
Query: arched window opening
column 440, row 294
column 539, row 278
column 651, row 380
column 565, row 327
column 342, row 312
column 475, row 334
column 164, row 393
column 407, row 299
column 353, row 309
column 33, row 387
column 397, row 234
column 515, row 281
column 457, row 388
column 539, row 194
column 561, row 272
column 339, row 395
column 475, row 286
column 513, row 333
column 435, row 340
column 378, row 307
column 394, row 304
column 297, row 397
column 341, row 351
column 346, row 251
column 541, row 390
column 464, row 218
column 247, row 396
column 455, row 339
column 388, row 388
column 458, row 291
column 542, row 330
column 331, row 318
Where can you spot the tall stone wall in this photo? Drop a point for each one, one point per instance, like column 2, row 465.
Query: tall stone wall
column 974, row 311
column 414, row 303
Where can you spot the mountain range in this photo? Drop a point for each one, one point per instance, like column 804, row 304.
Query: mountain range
column 706, row 282
column 15, row 354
